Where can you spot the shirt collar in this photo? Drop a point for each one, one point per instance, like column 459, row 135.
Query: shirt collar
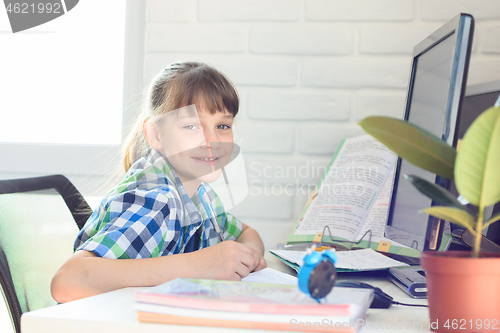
column 160, row 162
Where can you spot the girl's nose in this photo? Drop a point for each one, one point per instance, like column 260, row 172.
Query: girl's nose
column 210, row 136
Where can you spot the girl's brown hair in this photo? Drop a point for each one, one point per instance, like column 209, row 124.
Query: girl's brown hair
column 178, row 85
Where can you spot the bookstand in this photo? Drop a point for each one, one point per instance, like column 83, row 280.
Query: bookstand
column 320, row 236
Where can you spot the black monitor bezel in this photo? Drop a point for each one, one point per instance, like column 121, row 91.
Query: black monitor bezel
column 463, row 26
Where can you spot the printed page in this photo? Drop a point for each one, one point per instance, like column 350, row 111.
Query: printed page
column 377, row 218
column 365, row 259
column 270, row 275
column 360, row 260
column 295, row 257
column 349, row 189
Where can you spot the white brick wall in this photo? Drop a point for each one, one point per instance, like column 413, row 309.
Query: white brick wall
column 306, row 40
column 298, row 104
column 380, row 104
column 360, row 10
column 484, row 69
column 194, row 38
column 445, row 9
column 244, row 70
column 307, row 71
column 356, row 72
column 271, row 138
column 171, row 11
column 491, row 39
column 392, row 38
column 248, row 10
column 266, row 202
column 320, row 138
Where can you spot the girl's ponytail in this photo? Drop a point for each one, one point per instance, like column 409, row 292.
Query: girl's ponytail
column 135, row 145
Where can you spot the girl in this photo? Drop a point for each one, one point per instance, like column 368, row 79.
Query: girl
column 155, row 214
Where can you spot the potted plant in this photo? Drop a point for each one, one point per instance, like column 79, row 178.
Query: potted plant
column 463, row 287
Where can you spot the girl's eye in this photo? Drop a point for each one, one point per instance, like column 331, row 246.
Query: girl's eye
column 190, row 127
column 223, row 127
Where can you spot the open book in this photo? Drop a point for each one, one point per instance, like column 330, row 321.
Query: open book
column 240, row 304
column 360, row 260
column 352, row 198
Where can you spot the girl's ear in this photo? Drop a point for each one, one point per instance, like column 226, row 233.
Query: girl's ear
column 151, row 134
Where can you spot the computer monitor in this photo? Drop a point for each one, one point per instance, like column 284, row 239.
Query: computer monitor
column 478, row 98
column 435, row 94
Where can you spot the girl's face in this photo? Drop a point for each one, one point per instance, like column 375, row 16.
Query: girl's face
column 196, row 143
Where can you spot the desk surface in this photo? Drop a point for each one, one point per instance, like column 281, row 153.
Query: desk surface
column 112, row 312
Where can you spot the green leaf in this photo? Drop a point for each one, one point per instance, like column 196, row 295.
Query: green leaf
column 476, row 172
column 493, row 219
column 454, row 215
column 436, row 193
column 412, row 143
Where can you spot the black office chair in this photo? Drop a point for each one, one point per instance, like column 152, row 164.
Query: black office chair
column 39, row 220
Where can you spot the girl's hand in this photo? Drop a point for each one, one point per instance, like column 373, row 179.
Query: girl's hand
column 251, row 239
column 259, row 259
column 228, row 260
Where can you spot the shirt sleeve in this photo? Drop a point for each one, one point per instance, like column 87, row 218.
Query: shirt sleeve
column 232, row 227
column 132, row 226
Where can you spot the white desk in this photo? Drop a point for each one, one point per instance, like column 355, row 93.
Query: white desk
column 112, row 312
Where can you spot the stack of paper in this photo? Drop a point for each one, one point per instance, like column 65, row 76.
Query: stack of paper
column 251, row 305
column 358, row 260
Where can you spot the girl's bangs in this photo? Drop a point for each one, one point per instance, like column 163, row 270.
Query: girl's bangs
column 209, row 90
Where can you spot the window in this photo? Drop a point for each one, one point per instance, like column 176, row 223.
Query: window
column 62, row 81
column 69, row 87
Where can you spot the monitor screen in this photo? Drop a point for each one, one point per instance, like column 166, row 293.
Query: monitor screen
column 478, row 98
column 435, row 92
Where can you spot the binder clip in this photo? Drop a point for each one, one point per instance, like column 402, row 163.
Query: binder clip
column 317, row 274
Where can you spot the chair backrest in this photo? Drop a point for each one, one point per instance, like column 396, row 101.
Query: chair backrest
column 39, row 220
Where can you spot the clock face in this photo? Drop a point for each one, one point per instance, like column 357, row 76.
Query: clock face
column 322, row 279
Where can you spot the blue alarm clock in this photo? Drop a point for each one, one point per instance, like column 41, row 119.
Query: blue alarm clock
column 317, row 275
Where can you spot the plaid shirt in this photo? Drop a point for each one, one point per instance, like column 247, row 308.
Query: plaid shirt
column 149, row 215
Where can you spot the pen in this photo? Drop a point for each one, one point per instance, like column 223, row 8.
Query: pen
column 202, row 194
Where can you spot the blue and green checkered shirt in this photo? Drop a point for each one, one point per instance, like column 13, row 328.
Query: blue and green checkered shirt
column 149, row 214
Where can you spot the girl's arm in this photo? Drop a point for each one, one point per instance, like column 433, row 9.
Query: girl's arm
column 86, row 274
